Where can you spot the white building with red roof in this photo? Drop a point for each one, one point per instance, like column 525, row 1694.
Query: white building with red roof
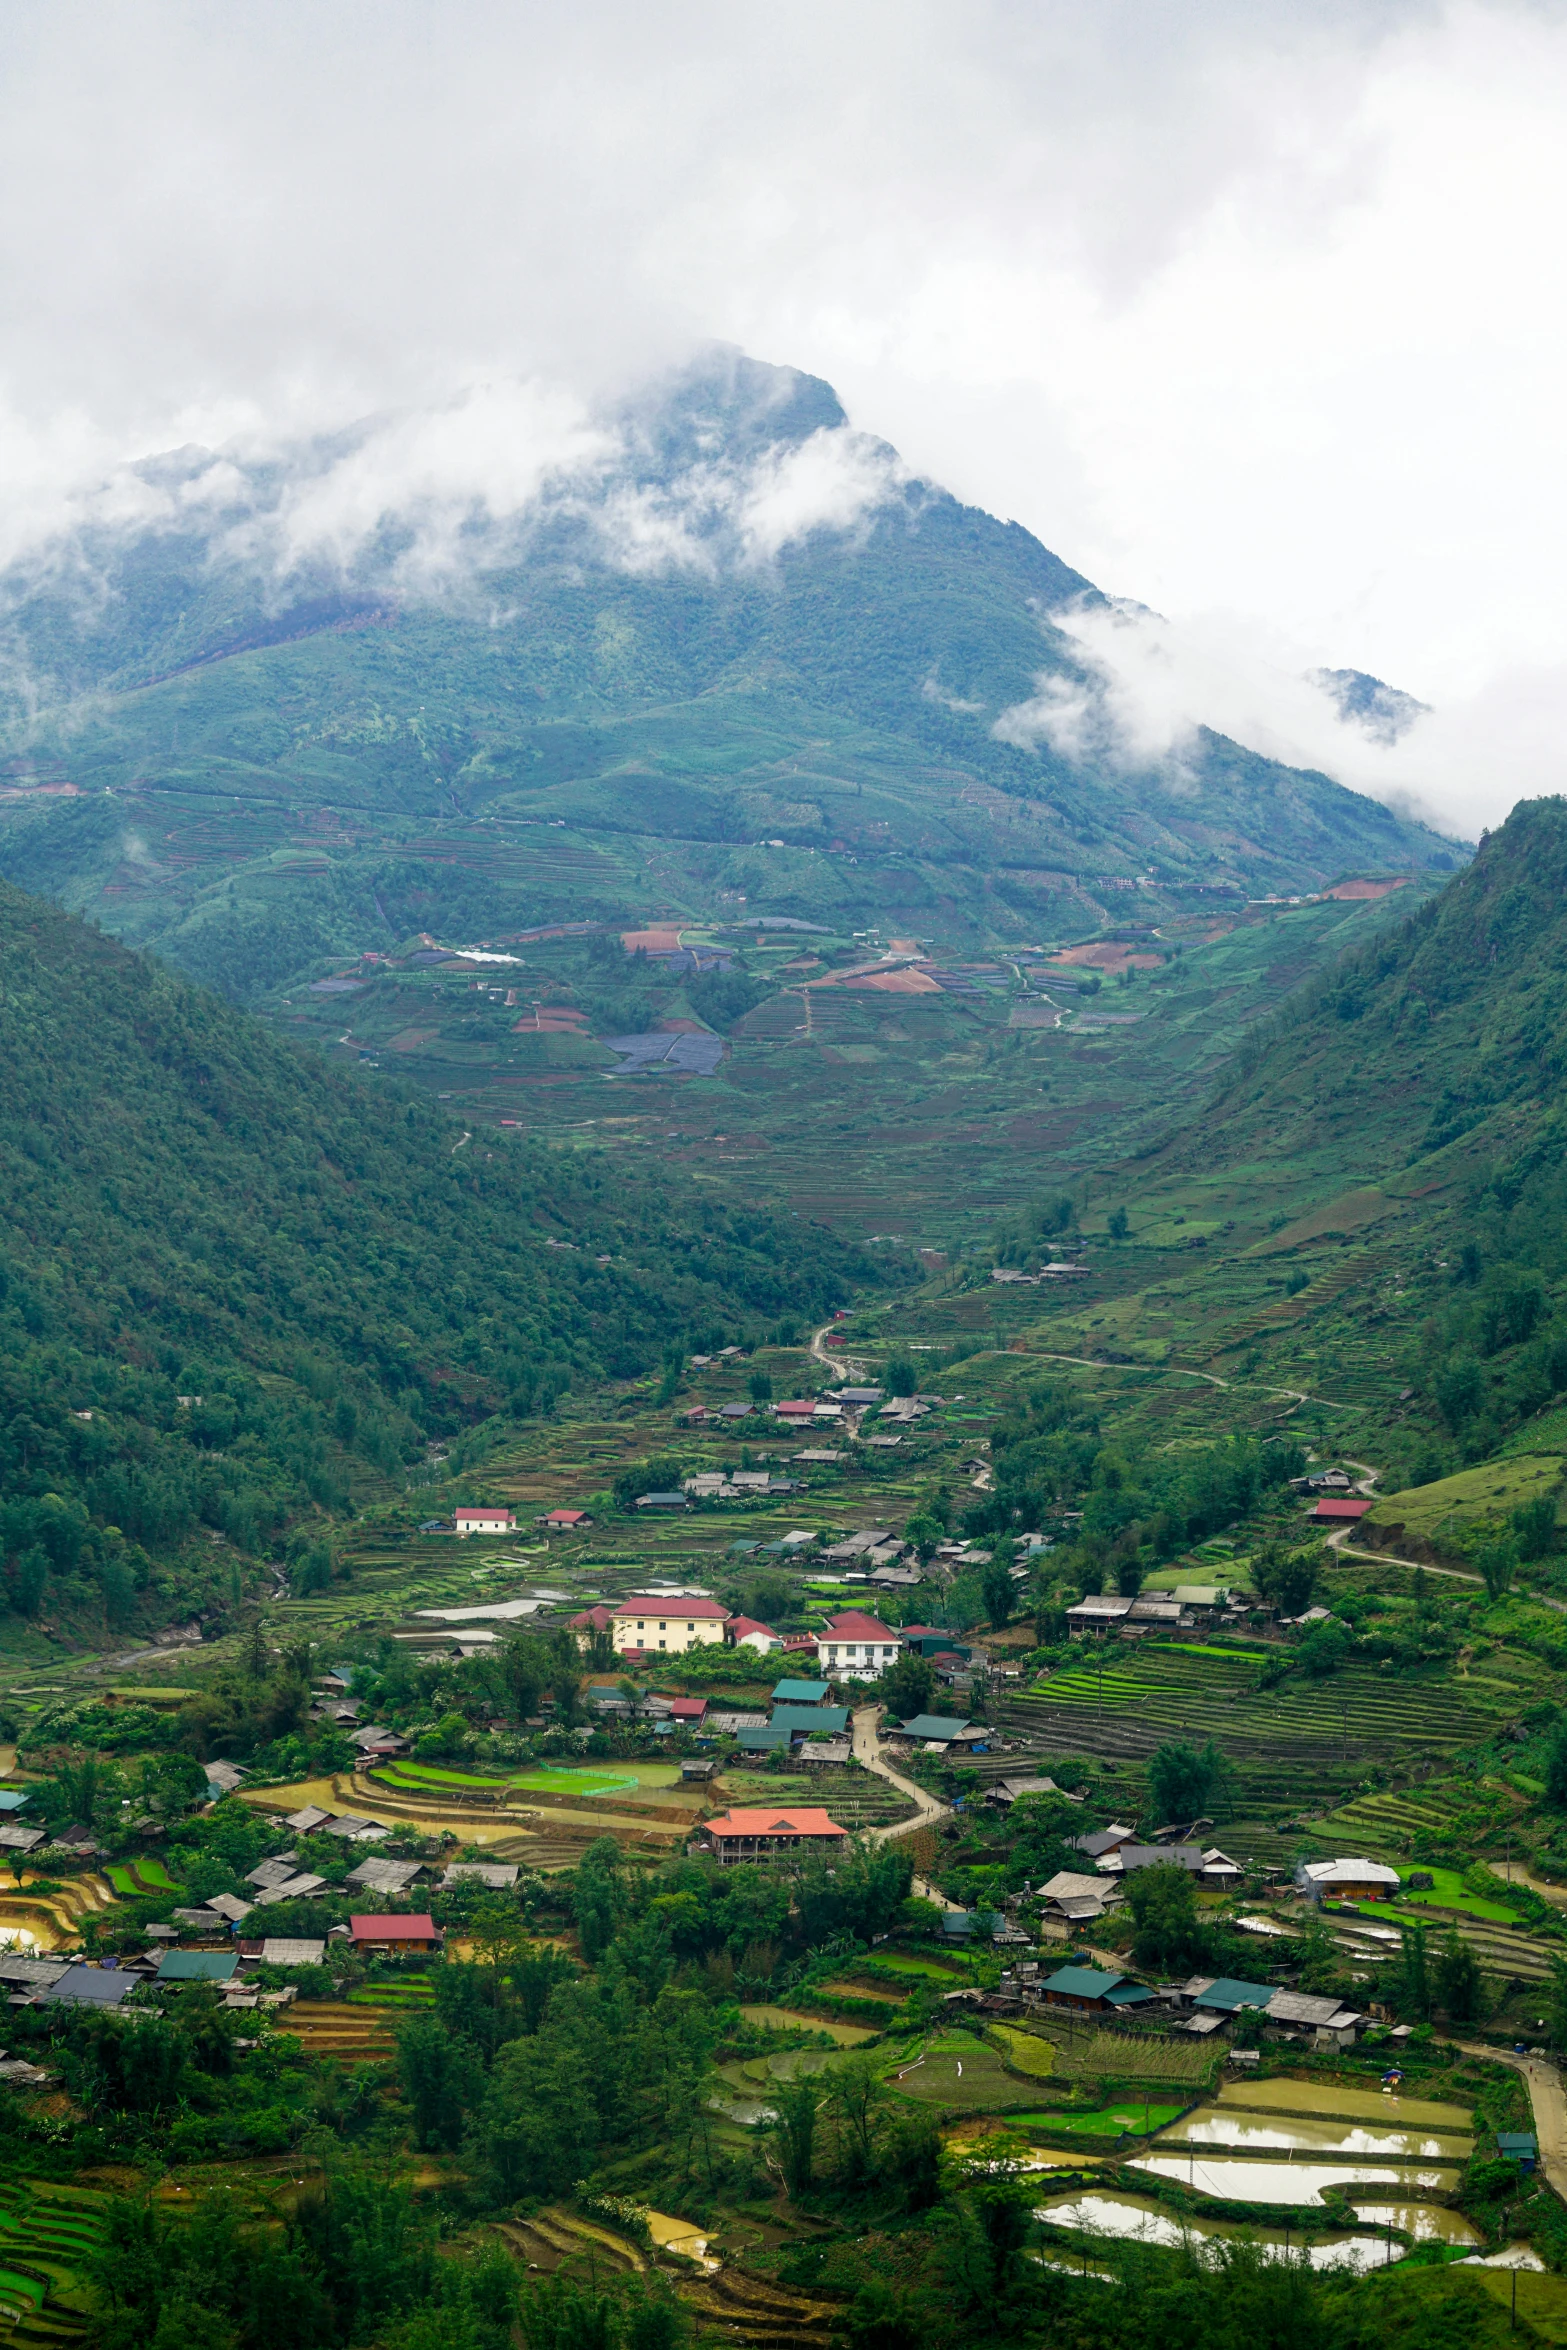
column 855, row 1647
column 748, row 1632
column 485, row 1520
column 650, row 1622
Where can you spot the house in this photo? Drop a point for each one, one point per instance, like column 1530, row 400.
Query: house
column 824, row 1753
column 419, row 1933
column 788, row 1692
column 735, row 1411
column 223, row 1778
column 485, row 1521
column 1223, row 1994
column 1098, row 1614
column 1006, row 1792
column 696, row 1769
column 759, row 1834
column 1122, row 1859
column 563, row 1521
column 855, row 1647
column 927, row 1640
column 230, row 1908
column 1330, row 2023
column 305, row 1823
column 197, row 1966
column 1516, row 2146
column 385, row 1876
column 762, row 1738
column 857, row 1398
column 748, row 1632
column 590, row 1623
column 1102, row 1840
column 663, row 1501
column 1080, row 1900
column 649, row 1622
column 1338, row 1513
column 1090, row 1988
column 688, row 1711
column 1218, row 1868
column 90, row 1986
column 1154, row 1610
column 498, row 1875
column 1347, row 1880
column 292, row 1950
column 933, row 1729
column 806, row 1721
column 798, row 1409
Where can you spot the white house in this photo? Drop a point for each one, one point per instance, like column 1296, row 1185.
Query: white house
column 485, row 1521
column 648, row 1622
column 855, row 1647
column 749, row 1632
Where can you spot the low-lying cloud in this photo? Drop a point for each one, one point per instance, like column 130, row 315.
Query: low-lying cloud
column 1142, row 689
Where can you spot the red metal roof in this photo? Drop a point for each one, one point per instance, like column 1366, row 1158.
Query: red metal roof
column 420, row 1928
column 1340, row 1512
column 592, row 1619
column 689, row 1709
column 853, row 1625
column 741, row 1625
column 756, row 1822
column 798, row 1407
column 564, row 1517
column 702, row 1611
column 497, row 1510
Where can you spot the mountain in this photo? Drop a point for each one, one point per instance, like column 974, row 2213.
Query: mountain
column 1370, row 1213
column 240, row 1294
column 713, row 649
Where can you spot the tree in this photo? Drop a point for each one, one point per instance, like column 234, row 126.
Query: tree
column 1498, row 1563
column 1169, row 1938
column 1556, row 1766
column 1118, row 1225
column 1287, row 1580
column 525, row 1669
column 1411, row 1986
column 926, row 1533
column 1458, row 1985
column 1534, row 1527
column 908, row 1685
column 1185, row 1782
column 797, row 2105
column 761, row 1387
column 598, row 1897
column 441, row 2078
column 999, row 1592
column 857, row 2094
column 901, row 1377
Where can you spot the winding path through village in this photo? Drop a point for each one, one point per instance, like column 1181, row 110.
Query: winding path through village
column 867, row 1750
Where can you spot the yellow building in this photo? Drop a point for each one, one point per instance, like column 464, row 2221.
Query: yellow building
column 644, row 1624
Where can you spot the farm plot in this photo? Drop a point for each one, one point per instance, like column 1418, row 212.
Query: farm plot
column 1299, row 1727
column 1285, row 2141
column 47, row 2236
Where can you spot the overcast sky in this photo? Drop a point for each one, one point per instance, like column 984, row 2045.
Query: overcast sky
column 1252, row 312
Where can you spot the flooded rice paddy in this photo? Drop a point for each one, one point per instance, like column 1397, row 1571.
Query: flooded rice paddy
column 1238, row 2132
column 1283, row 2095
column 1234, row 2180
column 1131, row 2219
column 1428, row 2223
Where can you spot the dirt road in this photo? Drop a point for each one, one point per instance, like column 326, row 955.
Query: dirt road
column 1548, row 2103
column 867, row 1750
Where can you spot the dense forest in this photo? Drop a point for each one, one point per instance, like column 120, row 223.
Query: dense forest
column 234, row 1284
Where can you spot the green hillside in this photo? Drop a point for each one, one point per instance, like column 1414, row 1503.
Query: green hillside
column 240, row 1294
column 262, row 773
column 1361, row 1232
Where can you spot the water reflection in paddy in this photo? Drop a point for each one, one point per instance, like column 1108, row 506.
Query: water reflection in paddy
column 1283, row 2095
column 1247, row 2133
column 1132, row 2218
column 1428, row 2223
column 1238, row 2181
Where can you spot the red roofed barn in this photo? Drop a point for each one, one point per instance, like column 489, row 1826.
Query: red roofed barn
column 761, row 1834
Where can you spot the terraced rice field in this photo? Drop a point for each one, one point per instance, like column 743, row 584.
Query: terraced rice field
column 47, row 2234
column 1285, row 2141
column 1281, row 1738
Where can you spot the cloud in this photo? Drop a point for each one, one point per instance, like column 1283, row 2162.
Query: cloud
column 1238, row 305
column 1143, row 686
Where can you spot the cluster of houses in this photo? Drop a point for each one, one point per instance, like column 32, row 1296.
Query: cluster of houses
column 1201, row 2006
column 848, row 1646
